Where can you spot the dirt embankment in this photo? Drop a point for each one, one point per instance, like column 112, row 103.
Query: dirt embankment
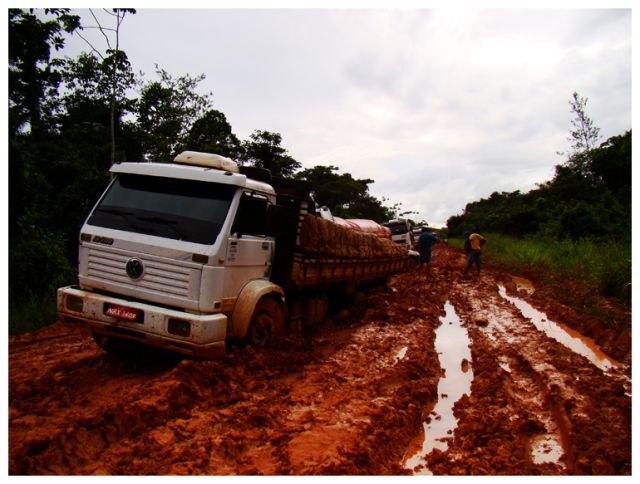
column 349, row 397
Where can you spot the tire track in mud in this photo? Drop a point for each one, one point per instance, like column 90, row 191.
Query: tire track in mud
column 525, row 369
column 533, row 393
column 350, row 416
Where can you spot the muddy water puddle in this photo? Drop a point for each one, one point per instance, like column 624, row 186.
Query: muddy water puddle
column 547, row 448
column 400, row 354
column 452, row 345
column 566, row 336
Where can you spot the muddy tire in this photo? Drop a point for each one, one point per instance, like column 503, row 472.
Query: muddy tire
column 267, row 323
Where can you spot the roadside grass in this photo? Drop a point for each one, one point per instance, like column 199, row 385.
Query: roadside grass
column 600, row 267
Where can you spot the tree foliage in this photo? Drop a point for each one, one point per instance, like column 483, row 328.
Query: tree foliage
column 212, row 133
column 263, row 149
column 592, row 200
column 584, row 135
column 116, row 67
column 344, row 195
column 93, row 111
column 33, row 76
column 166, row 109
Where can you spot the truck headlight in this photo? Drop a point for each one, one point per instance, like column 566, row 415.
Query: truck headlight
column 74, row 303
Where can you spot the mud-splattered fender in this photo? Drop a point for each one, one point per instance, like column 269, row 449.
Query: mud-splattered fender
column 246, row 302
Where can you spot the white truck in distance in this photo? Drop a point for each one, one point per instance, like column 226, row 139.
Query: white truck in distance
column 184, row 255
column 401, row 232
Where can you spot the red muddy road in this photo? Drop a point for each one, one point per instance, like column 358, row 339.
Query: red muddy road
column 350, row 397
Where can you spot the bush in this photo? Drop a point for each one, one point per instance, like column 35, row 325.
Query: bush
column 38, row 265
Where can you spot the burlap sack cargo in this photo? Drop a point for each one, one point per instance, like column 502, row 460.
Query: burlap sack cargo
column 326, row 238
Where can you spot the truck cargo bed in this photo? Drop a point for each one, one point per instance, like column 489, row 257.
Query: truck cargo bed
column 307, row 270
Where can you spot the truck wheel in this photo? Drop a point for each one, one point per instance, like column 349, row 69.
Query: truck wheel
column 267, row 323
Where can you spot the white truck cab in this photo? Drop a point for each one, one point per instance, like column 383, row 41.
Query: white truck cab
column 168, row 252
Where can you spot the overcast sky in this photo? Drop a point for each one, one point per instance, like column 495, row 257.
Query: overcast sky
column 440, row 107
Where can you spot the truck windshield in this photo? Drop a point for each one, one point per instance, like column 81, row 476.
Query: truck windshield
column 188, row 210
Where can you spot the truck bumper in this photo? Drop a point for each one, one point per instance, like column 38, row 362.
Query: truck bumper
column 196, row 335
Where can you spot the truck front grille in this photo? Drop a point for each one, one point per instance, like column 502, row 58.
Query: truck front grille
column 158, row 277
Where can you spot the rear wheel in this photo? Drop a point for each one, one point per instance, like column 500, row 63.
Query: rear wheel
column 267, row 323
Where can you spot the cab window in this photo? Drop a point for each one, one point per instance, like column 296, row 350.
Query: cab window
column 251, row 218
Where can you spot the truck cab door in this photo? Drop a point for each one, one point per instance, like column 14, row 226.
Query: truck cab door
column 249, row 250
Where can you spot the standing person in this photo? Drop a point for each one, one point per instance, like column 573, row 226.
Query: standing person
column 476, row 241
column 426, row 239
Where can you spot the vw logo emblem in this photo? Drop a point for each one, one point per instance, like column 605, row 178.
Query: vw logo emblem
column 134, row 268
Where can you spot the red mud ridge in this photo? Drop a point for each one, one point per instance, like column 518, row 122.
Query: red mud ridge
column 348, row 397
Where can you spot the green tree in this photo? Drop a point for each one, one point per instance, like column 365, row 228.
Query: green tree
column 331, row 189
column 611, row 165
column 167, row 108
column 94, row 111
column 33, row 76
column 115, row 66
column 264, row 149
column 344, row 195
column 212, row 133
column 584, row 135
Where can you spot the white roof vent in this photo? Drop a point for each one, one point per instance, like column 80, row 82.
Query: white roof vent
column 209, row 160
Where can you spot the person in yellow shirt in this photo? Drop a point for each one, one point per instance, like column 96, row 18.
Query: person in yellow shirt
column 476, row 241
